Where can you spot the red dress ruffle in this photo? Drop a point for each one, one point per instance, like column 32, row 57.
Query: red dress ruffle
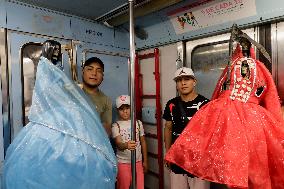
column 237, row 138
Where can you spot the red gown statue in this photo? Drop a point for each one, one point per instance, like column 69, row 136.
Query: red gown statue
column 237, row 139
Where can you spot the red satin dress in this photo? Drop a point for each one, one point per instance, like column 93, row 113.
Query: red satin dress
column 236, row 139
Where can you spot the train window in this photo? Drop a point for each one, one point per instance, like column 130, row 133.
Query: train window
column 31, row 53
column 210, row 57
column 208, row 62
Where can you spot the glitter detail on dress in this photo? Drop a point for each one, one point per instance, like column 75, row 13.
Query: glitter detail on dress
column 64, row 145
column 237, row 138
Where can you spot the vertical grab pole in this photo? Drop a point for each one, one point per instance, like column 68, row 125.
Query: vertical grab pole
column 158, row 117
column 132, row 92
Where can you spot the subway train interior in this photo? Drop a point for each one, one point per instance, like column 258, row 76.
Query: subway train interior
column 164, row 38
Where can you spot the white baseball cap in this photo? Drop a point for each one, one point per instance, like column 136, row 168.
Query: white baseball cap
column 184, row 71
column 122, row 99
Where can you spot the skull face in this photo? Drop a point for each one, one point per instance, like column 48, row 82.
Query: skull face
column 52, row 51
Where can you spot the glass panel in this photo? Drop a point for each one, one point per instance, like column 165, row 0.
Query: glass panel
column 30, row 57
column 208, row 62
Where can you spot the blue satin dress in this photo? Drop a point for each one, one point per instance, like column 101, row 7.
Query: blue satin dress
column 64, row 146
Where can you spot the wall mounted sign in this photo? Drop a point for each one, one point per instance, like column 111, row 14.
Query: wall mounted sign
column 210, row 13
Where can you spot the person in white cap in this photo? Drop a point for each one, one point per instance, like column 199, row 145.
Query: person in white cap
column 177, row 113
column 121, row 132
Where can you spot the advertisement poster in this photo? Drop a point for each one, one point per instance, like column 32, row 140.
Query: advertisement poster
column 209, row 14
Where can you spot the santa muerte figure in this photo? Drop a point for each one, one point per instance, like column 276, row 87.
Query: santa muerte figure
column 237, row 138
column 64, row 145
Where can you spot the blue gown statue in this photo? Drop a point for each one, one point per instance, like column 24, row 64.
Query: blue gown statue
column 64, row 146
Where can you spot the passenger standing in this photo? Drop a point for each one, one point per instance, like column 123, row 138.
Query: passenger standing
column 93, row 73
column 177, row 113
column 121, row 132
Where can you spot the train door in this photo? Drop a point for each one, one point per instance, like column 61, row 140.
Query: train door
column 277, row 43
column 115, row 81
column 208, row 57
column 24, row 51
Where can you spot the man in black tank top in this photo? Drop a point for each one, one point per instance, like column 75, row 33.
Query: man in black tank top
column 177, row 114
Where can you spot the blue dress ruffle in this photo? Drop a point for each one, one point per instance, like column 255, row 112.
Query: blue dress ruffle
column 64, row 146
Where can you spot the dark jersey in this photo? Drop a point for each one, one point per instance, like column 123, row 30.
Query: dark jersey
column 173, row 112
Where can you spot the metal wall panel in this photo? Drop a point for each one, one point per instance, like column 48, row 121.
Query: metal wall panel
column 26, row 18
column 86, row 8
column 121, row 39
column 158, row 28
column 277, row 39
column 91, row 32
column 2, row 14
column 87, row 31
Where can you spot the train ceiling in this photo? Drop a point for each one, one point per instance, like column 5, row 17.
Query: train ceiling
column 112, row 12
